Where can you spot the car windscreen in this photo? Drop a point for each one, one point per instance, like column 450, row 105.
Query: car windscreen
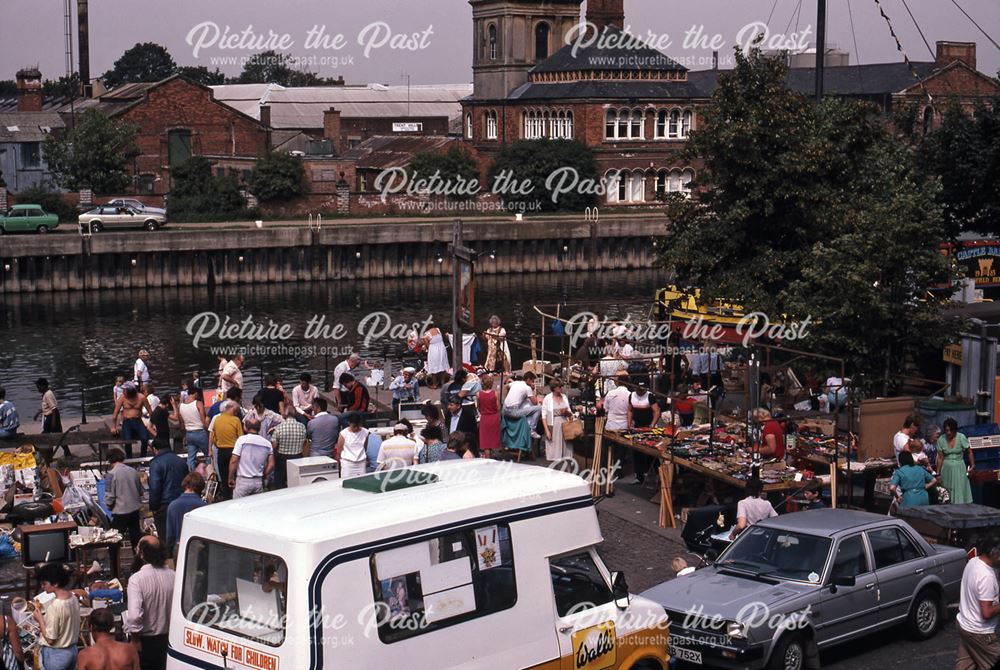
column 776, row 553
column 236, row 590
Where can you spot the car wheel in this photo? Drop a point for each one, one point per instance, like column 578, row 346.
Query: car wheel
column 151, row 225
column 42, row 230
column 925, row 615
column 790, row 654
column 96, row 227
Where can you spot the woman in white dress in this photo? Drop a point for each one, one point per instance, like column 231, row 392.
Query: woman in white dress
column 352, row 447
column 437, row 358
column 555, row 410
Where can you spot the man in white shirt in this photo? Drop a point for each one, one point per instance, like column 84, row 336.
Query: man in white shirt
column 231, row 374
column 150, row 592
column 399, row 451
column 252, row 461
column 978, row 648
column 140, row 371
column 906, row 436
column 303, row 396
column 616, row 405
column 346, row 365
column 752, row 509
column 521, row 401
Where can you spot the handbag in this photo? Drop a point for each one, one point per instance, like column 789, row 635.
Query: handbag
column 572, row 429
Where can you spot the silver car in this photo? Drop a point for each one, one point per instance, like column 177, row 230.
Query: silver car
column 794, row 585
column 137, row 205
column 108, row 217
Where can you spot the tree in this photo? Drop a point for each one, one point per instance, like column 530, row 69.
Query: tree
column 277, row 177
column 145, row 62
column 273, row 67
column 8, row 88
column 964, row 154
column 202, row 75
column 540, row 166
column 197, row 194
column 456, row 168
column 814, row 210
column 96, row 152
column 63, row 87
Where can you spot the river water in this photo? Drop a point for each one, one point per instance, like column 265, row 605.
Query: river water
column 81, row 340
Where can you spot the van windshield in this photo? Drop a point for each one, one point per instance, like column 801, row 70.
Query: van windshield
column 235, row 590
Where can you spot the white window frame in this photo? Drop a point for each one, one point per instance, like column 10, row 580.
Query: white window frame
column 491, row 124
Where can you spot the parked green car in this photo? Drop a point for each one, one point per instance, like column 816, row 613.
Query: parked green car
column 27, row 218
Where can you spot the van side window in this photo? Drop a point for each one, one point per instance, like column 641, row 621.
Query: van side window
column 577, row 583
column 448, row 579
column 236, row 590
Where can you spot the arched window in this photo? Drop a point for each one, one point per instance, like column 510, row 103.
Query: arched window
column 928, row 119
column 661, row 182
column 661, row 124
column 541, row 41
column 638, row 126
column 613, row 183
column 468, row 126
column 547, row 125
column 493, row 41
column 610, row 124
column 491, row 125
column 687, row 176
column 625, row 186
column 674, row 131
column 686, row 120
column 623, row 117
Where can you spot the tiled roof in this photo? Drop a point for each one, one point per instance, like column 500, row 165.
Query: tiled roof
column 615, row 51
column 28, row 126
column 383, row 152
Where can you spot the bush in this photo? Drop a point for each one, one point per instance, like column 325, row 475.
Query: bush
column 456, row 168
column 199, row 195
column 534, row 161
column 50, row 200
column 277, row 177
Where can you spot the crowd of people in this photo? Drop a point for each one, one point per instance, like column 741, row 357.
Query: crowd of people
column 932, row 470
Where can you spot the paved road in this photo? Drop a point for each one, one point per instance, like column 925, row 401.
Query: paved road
column 634, row 545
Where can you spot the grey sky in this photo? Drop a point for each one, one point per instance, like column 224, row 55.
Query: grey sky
column 32, row 31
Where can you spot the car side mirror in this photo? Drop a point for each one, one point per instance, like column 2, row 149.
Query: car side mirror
column 619, row 589
column 844, row 580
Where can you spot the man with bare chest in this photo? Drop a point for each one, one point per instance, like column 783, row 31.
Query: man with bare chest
column 130, row 405
column 106, row 653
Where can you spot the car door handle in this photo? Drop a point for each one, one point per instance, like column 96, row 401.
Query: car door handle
column 565, row 629
column 869, row 587
column 918, row 571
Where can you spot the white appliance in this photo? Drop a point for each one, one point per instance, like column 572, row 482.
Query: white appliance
column 312, row 469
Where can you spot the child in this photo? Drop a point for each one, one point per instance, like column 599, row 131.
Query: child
column 919, row 457
column 119, row 388
column 813, row 494
column 184, row 390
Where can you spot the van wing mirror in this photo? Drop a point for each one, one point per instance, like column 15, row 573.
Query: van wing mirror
column 619, row 589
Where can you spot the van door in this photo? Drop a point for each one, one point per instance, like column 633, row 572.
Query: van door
column 585, row 612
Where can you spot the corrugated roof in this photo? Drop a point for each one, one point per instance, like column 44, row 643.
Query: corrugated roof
column 29, row 126
column 383, row 152
column 303, row 107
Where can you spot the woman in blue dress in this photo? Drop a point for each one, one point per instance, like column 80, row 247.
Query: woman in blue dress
column 910, row 482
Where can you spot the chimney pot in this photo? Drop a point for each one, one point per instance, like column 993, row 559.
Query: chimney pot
column 29, row 90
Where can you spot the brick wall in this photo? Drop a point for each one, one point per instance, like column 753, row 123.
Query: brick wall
column 180, row 105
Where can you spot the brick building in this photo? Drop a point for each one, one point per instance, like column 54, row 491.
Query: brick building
column 177, row 119
column 634, row 106
column 23, row 129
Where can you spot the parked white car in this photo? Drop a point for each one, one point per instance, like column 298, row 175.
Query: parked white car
column 136, row 205
column 110, row 217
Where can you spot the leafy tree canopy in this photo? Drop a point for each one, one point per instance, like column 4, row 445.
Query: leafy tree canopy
column 145, row 62
column 96, row 152
column 277, row 177
column 550, row 175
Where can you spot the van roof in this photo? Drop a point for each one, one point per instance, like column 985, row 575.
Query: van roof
column 328, row 510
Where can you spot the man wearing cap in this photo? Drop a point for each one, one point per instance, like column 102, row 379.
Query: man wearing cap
column 405, row 388
column 399, row 451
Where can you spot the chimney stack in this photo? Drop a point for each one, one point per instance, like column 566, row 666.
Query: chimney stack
column 603, row 13
column 332, row 130
column 29, row 90
column 83, row 38
column 949, row 52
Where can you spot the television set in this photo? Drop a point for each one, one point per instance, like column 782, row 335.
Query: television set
column 47, row 542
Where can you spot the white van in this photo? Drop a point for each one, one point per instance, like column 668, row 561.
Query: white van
column 463, row 564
